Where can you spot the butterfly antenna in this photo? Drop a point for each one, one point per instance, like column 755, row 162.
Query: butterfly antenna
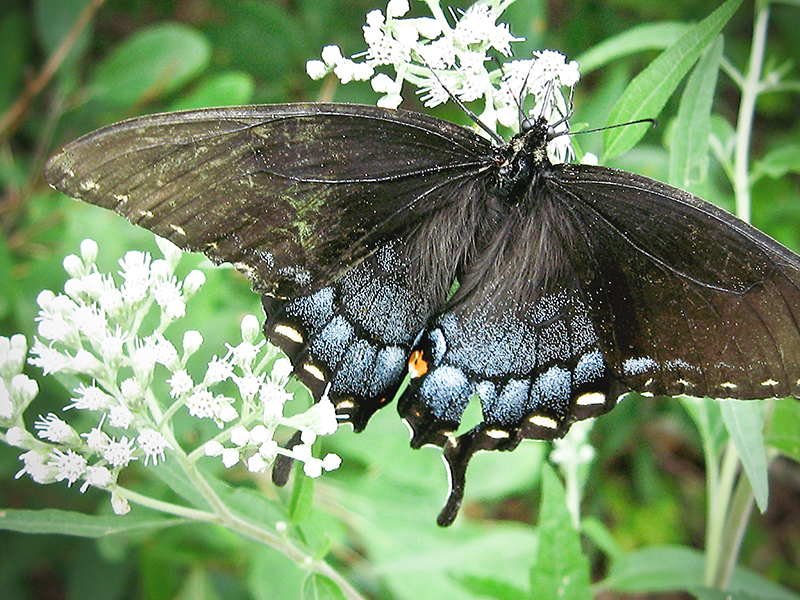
column 653, row 122
column 475, row 119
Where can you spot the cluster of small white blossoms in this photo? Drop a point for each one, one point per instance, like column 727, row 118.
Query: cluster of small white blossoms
column 439, row 58
column 94, row 330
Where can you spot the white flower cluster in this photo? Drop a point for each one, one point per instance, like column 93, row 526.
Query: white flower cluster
column 441, row 59
column 94, row 330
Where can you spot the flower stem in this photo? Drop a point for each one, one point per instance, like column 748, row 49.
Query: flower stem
column 751, row 86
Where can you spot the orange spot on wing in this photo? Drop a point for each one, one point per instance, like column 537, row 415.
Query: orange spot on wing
column 417, row 365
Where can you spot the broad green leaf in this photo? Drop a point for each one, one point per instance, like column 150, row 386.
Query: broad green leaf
column 319, row 587
column 650, row 89
column 671, row 568
column 302, row 498
column 690, row 135
column 784, row 434
column 490, row 587
column 651, row 36
column 155, row 62
column 746, row 427
column 170, row 472
column 74, row 523
column 54, row 19
column 224, row 89
column 712, row 594
column 705, row 413
column 778, row 162
column 561, row 570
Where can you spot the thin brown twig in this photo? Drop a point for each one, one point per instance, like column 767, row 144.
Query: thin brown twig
column 13, row 116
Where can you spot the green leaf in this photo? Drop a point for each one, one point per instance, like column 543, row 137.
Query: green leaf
column 784, row 435
column 746, row 427
column 170, row 472
column 66, row 522
column 778, row 162
column 690, row 136
column 224, row 89
column 705, row 413
column 302, row 498
column 54, row 19
column 651, row 36
column 650, row 89
column 712, row 594
column 319, row 587
column 561, row 570
column 491, row 587
column 154, row 63
column 672, row 568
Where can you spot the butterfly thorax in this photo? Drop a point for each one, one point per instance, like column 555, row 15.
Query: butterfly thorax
column 522, row 160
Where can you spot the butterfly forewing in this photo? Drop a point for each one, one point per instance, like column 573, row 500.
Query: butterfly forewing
column 293, row 194
column 687, row 299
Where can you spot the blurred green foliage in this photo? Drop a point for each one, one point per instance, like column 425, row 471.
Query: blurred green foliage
column 644, row 497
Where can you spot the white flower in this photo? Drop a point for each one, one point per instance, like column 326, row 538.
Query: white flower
column 118, row 453
column 331, row 462
column 6, row 406
column 12, row 357
column 180, row 383
column 163, row 351
column 55, row 430
column 97, row 439
column 213, row 448
column 269, row 450
column 48, row 359
column 91, row 398
column 36, row 466
column 249, row 385
column 397, row 8
column 218, row 370
column 171, row 252
column 320, row 418
column 257, row 464
column 97, row 476
column 153, row 444
column 91, row 321
column 120, row 416
column 135, row 269
column 111, row 348
column 89, row 251
column 192, row 340
column 230, row 456
column 23, row 390
column 240, row 436
column 73, row 265
column 316, row 69
column 119, row 504
column 244, row 355
column 193, row 282
column 224, row 412
column 167, row 294
column 68, row 465
column 131, row 390
column 250, row 328
column 201, row 404
column 312, row 467
column 18, row 437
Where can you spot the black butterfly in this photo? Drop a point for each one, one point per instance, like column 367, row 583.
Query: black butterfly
column 577, row 283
